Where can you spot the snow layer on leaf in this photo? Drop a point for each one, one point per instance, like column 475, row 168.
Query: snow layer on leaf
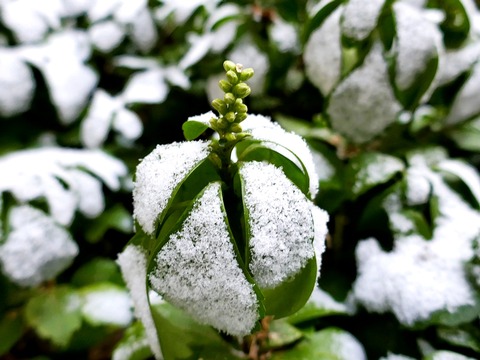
column 61, row 61
column 133, row 264
column 455, row 62
column 16, row 84
column 107, row 305
column 36, row 249
column 415, row 44
column 262, row 128
column 347, row 347
column 363, row 104
column 203, row 118
column 143, row 31
column 320, row 220
column 53, row 174
column 182, row 10
column 30, row 20
column 106, row 35
column 323, row 54
column 284, row 35
column 197, row 270
column 420, row 277
column 158, row 175
column 413, row 281
column 467, row 173
column 128, row 124
column 280, row 224
column 418, row 187
column 466, row 104
column 146, row 87
column 360, row 18
column 391, row 356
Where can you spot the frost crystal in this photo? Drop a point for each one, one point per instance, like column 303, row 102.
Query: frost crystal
column 54, row 174
column 36, row 249
column 363, row 104
column 197, row 270
column 107, row 305
column 280, row 221
column 415, row 44
column 360, row 18
column 421, row 277
column 159, row 174
column 323, row 54
column 133, row 264
column 262, row 128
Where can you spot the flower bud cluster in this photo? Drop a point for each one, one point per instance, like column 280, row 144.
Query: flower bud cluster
column 232, row 111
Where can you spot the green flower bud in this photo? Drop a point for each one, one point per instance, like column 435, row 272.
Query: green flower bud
column 246, row 74
column 225, row 86
column 232, row 77
column 220, row 106
column 229, row 98
column 230, row 137
column 230, row 116
column 240, row 117
column 241, row 90
column 240, row 107
column 229, row 65
column 236, row 128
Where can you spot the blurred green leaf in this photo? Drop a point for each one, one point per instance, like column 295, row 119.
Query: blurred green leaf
column 368, row 170
column 467, row 337
column 11, row 330
column 467, row 135
column 443, row 355
column 116, row 217
column 281, row 334
column 327, row 344
column 134, row 344
column 55, row 314
column 96, row 271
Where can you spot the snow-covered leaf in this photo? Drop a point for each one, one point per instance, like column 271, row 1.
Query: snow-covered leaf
column 146, row 87
column 106, row 304
column 106, row 35
column 53, row 174
column 359, row 18
column 350, row 107
column 36, row 249
column 16, row 83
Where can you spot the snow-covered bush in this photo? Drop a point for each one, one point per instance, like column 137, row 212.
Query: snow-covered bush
column 93, row 95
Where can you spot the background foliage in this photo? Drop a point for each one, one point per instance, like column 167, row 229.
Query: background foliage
column 386, row 95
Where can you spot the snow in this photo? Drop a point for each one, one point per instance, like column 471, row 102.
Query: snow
column 159, row 174
column 419, row 277
column 53, row 174
column 36, row 248
column 455, row 62
column 146, row 87
column 183, row 10
column 133, row 265
column 106, row 35
column 320, row 220
column 323, row 300
column 391, row 356
column 284, row 35
column 323, row 54
column 363, row 104
column 197, row 270
column 415, row 44
column 203, row 118
column 359, row 18
column 280, row 223
column 466, row 104
column 69, row 80
column 107, row 305
column 467, row 173
column 17, row 84
column 347, row 346
column 143, row 31
column 286, row 143
column 418, row 187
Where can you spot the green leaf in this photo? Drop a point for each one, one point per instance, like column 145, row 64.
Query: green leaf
column 282, row 334
column 467, row 135
column 193, row 129
column 291, row 295
column 371, row 169
column 304, row 128
column 456, row 25
column 467, row 337
column 116, row 217
column 181, row 337
column 55, row 314
column 96, row 271
column 134, row 344
column 450, row 355
column 11, row 330
column 327, row 344
column 319, row 305
column 315, row 22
